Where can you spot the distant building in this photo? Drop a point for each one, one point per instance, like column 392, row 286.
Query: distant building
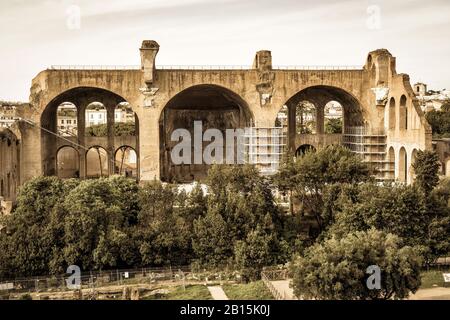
column 95, row 115
column 67, row 120
column 431, row 100
column 333, row 110
column 8, row 114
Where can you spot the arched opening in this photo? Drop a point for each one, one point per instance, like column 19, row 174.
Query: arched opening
column 334, row 120
column 67, row 117
column 96, row 163
column 305, row 118
column 68, row 163
column 303, row 149
column 391, row 164
column 392, row 114
column 447, row 168
column 193, row 111
column 402, row 165
column 412, row 173
column 403, row 113
column 126, row 162
column 336, row 110
column 281, row 121
column 96, row 120
column 124, row 120
column 91, row 130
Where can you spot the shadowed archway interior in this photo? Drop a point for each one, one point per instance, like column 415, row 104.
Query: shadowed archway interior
column 216, row 107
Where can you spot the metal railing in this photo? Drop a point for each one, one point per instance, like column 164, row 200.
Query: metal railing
column 94, row 67
column 267, row 276
column 102, row 280
column 318, row 68
column 199, row 67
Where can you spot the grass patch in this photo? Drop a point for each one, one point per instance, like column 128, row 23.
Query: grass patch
column 249, row 291
column 431, row 279
column 192, row 292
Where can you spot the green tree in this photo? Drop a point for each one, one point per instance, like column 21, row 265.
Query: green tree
column 336, row 268
column 26, row 240
column 97, row 224
column 333, row 125
column 421, row 220
column 239, row 201
column 164, row 236
column 439, row 121
column 253, row 253
column 211, row 242
column 426, row 167
column 308, row 177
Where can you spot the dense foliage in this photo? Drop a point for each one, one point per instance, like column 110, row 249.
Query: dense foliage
column 120, row 129
column 337, row 268
column 306, row 178
column 440, row 121
column 114, row 223
column 333, row 125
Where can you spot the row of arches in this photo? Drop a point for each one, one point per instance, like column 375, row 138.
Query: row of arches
column 313, row 119
column 96, row 119
column 83, row 113
column 400, row 109
column 68, row 162
column 401, row 165
column 82, row 117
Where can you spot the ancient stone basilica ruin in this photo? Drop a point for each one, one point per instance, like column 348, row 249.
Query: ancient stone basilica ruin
column 382, row 120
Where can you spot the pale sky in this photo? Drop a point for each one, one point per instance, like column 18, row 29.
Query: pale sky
column 35, row 34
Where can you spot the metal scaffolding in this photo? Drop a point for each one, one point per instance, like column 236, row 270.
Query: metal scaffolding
column 370, row 144
column 264, row 147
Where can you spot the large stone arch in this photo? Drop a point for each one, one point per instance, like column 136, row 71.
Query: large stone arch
column 43, row 91
column 320, row 95
column 215, row 106
column 50, row 139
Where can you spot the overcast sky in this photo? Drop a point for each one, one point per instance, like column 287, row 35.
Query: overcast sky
column 35, row 34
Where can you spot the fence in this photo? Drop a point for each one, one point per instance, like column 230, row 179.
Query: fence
column 118, row 277
column 201, row 67
column 267, row 276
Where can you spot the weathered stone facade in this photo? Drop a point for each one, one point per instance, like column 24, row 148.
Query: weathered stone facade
column 374, row 97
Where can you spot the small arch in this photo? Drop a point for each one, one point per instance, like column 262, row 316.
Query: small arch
column 306, row 118
column 403, row 113
column 96, row 120
column 124, row 120
column 67, row 119
column 126, row 162
column 303, row 149
column 334, row 119
column 67, row 162
column 412, row 173
column 391, row 163
column 392, row 115
column 447, row 167
column 402, row 165
column 96, row 162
